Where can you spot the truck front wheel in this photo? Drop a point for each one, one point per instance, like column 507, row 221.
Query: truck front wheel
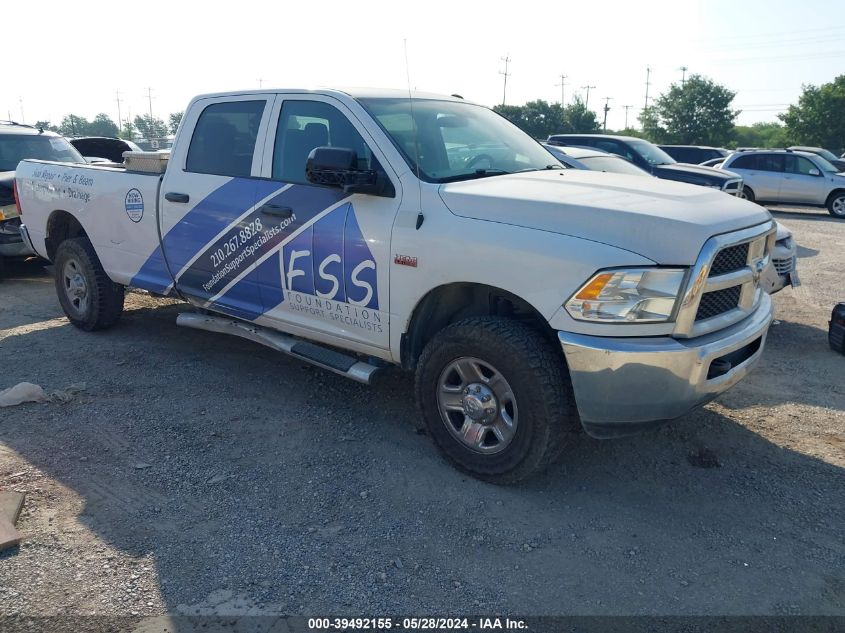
column 496, row 398
column 88, row 297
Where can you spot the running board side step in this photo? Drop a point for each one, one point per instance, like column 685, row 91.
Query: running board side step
column 318, row 355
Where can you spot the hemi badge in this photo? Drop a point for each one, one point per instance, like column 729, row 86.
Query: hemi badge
column 405, row 260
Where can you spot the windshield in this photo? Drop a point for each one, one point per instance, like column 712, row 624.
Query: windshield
column 825, row 165
column 14, row 148
column 612, row 164
column 448, row 141
column 824, row 153
column 652, row 154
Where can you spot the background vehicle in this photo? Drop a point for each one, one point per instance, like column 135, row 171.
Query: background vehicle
column 694, row 154
column 829, row 156
column 354, row 230
column 105, row 147
column 713, row 162
column 18, row 142
column 787, row 177
column 594, row 160
column 783, row 271
column 654, row 160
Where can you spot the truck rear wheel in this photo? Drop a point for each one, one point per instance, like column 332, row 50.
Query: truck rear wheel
column 496, row 398
column 88, row 297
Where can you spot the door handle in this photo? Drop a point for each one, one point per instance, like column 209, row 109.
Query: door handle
column 276, row 210
column 176, row 197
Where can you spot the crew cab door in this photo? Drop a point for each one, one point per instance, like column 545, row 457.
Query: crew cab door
column 328, row 279
column 209, row 224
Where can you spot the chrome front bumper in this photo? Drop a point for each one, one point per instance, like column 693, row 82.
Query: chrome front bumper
column 625, row 384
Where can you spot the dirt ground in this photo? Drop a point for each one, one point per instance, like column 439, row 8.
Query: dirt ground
column 193, row 473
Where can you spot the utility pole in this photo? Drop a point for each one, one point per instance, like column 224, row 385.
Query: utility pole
column 260, row 83
column 150, row 98
column 587, row 102
column 627, row 107
column 683, row 70
column 506, row 74
column 20, row 100
column 562, row 85
column 72, row 125
column 119, row 122
column 647, row 84
column 606, row 109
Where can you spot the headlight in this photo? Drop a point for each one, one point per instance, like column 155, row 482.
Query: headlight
column 8, row 211
column 635, row 295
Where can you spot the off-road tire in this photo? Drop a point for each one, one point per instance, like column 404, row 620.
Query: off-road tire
column 104, row 303
column 536, row 373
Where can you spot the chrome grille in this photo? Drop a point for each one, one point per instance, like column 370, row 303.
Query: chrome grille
column 724, row 286
column 718, row 302
column 784, row 266
column 730, row 259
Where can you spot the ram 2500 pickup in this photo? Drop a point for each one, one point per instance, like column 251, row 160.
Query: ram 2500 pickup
column 359, row 229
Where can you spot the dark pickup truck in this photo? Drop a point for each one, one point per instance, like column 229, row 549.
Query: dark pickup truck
column 654, row 160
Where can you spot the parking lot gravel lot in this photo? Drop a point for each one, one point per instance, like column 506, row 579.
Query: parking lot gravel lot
column 179, row 471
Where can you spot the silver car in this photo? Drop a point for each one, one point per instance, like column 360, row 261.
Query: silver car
column 788, row 177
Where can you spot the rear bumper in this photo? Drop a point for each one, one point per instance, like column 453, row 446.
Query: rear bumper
column 623, row 385
column 12, row 243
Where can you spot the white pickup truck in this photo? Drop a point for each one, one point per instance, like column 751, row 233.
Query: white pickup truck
column 361, row 229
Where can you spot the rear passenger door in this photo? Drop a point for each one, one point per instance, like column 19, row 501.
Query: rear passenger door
column 763, row 173
column 210, row 192
column 328, row 277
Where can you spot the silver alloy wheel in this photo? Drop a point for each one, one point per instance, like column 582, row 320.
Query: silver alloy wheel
column 838, row 206
column 75, row 286
column 477, row 405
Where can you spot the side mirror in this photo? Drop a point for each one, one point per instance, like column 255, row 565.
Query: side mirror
column 815, row 172
column 338, row 167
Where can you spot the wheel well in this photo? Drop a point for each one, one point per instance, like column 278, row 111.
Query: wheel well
column 455, row 302
column 832, row 195
column 61, row 226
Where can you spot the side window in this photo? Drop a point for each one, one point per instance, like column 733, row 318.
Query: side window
column 224, row 138
column 304, row 125
column 799, row 165
column 747, row 161
column 771, row 162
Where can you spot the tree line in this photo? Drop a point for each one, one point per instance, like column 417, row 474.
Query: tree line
column 142, row 126
column 698, row 112
column 693, row 112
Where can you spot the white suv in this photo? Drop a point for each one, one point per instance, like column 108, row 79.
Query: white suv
column 787, row 177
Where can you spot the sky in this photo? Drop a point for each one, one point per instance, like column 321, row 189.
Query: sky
column 80, row 56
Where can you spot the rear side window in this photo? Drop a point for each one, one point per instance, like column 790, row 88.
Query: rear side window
column 744, row 162
column 306, row 125
column 759, row 162
column 224, row 138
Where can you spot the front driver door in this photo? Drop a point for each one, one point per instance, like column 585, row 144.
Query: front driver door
column 329, row 275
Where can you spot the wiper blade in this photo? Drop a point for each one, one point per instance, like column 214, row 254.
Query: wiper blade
column 478, row 173
column 547, row 167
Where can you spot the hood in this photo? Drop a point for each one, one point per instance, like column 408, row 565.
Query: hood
column 694, row 174
column 666, row 222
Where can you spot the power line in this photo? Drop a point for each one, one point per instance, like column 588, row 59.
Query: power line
column 506, row 74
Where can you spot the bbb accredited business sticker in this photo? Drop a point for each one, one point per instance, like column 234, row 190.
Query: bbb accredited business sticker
column 134, row 205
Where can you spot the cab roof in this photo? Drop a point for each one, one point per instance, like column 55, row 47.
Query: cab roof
column 355, row 93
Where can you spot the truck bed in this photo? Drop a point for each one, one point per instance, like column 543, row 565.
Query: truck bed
column 117, row 208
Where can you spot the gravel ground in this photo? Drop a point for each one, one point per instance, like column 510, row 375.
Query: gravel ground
column 195, row 473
